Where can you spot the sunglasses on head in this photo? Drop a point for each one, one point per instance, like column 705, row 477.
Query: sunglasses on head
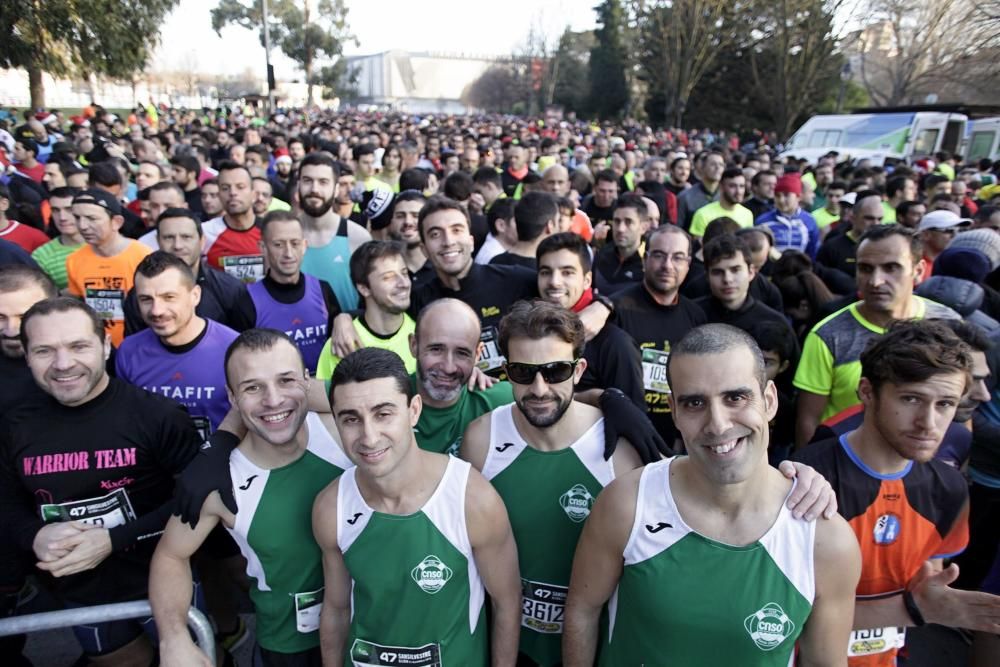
column 552, row 372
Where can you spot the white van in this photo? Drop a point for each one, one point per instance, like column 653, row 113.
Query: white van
column 982, row 140
column 896, row 135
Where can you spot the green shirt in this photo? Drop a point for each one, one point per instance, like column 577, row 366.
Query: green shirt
column 441, row 429
column 398, row 342
column 888, row 213
column 713, row 210
column 831, row 357
column 824, row 218
column 51, row 257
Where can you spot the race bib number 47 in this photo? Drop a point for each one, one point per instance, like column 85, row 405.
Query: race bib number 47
column 370, row 654
column 114, row 509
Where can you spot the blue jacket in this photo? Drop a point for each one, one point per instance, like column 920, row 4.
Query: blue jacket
column 795, row 232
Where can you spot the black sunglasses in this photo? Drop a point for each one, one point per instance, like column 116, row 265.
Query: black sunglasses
column 553, row 372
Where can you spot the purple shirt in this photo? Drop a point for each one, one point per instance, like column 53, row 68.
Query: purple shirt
column 304, row 321
column 192, row 374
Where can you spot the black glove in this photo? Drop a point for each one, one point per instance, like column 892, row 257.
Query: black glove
column 207, row 472
column 622, row 418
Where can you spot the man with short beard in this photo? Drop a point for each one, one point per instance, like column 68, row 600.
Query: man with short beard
column 232, row 241
column 330, row 238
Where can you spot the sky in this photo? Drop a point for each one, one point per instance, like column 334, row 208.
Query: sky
column 188, row 42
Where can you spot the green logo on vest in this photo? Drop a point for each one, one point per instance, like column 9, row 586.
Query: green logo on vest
column 769, row 626
column 431, row 574
column 577, row 503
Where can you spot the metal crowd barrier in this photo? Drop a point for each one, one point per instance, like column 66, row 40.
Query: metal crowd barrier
column 64, row 618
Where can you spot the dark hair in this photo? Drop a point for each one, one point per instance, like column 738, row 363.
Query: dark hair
column 210, row 181
column 837, row 185
column 678, row 160
column 361, row 150
column 501, row 209
column 63, row 192
column 721, row 225
column 731, row 172
column 188, row 163
column 540, row 319
column 439, row 203
column 915, row 351
column 104, row 173
column 532, row 213
column 971, row 335
column 257, row 340
column 14, row 277
column 896, row 184
column 372, row 363
column 414, row 179
column 487, row 175
column 933, row 180
column 229, row 165
column 163, row 186
column 724, row 247
column 985, row 213
column 178, row 212
column 458, row 186
column 904, row 208
column 320, row 160
column 29, row 144
column 635, row 202
column 566, row 241
column 364, row 258
column 408, row 195
column 607, row 176
column 159, row 261
column 261, row 150
column 278, row 216
column 773, row 336
column 61, row 304
column 717, row 339
column 882, row 232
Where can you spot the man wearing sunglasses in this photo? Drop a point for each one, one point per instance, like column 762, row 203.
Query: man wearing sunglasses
column 545, row 455
column 936, row 230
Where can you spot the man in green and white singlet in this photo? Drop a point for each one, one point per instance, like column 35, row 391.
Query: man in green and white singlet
column 412, row 540
column 698, row 558
column 544, row 455
column 287, row 457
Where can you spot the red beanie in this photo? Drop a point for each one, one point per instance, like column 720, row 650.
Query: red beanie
column 789, row 183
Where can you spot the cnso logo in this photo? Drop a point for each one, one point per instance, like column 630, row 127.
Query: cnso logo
column 577, row 503
column 769, row 626
column 431, row 574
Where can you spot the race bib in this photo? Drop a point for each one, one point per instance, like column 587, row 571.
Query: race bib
column 114, row 509
column 107, row 303
column 370, row 654
column 248, row 268
column 654, row 370
column 307, row 609
column 876, row 640
column 542, row 607
column 490, row 359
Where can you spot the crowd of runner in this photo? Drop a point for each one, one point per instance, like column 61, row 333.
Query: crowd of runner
column 460, row 390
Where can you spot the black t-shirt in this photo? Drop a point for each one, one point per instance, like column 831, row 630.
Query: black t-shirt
column 655, row 328
column 123, row 447
column 193, row 199
column 18, row 385
column 750, row 314
column 761, row 289
column 224, row 299
column 613, row 360
column 508, row 258
column 839, row 252
column 598, row 214
column 490, row 290
column 617, row 273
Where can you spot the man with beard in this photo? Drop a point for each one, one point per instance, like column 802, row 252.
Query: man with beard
column 732, row 187
column 620, row 263
column 380, row 275
column 286, row 458
column 544, row 455
column 211, row 202
column 402, row 228
column 330, row 238
column 908, row 511
column 232, row 241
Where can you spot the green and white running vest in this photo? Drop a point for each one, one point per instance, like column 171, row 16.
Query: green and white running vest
column 274, row 532
column 686, row 600
column 548, row 496
column 416, row 597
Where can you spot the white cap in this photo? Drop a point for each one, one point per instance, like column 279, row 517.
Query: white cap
column 941, row 219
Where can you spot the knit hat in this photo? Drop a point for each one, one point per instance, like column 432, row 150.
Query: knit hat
column 378, row 207
column 985, row 241
column 789, row 183
column 964, row 263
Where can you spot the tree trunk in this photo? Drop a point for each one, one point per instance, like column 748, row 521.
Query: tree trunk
column 36, row 87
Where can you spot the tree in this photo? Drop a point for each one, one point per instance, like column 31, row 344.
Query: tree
column 678, row 42
column 910, row 48
column 569, row 71
column 302, row 37
column 609, row 97
column 112, row 38
column 793, row 56
column 502, row 88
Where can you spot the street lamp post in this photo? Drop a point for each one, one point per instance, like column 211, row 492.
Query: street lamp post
column 845, row 76
column 267, row 57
